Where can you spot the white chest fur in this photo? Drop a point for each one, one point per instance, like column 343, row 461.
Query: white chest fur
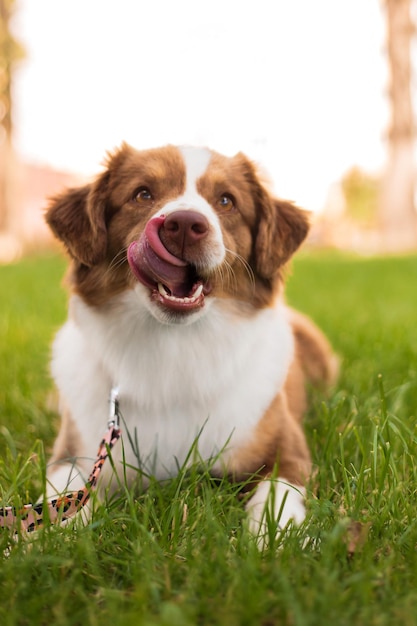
column 213, row 379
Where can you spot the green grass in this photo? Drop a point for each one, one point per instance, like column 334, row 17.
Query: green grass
column 180, row 554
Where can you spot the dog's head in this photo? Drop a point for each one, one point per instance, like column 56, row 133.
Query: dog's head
column 181, row 226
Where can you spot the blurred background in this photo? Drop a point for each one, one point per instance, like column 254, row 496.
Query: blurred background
column 319, row 93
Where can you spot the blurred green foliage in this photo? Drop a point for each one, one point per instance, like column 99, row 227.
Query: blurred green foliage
column 361, row 191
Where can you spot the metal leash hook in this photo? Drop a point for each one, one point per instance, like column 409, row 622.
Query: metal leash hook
column 31, row 516
column 114, row 414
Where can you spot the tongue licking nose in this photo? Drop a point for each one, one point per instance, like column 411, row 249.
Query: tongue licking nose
column 154, row 264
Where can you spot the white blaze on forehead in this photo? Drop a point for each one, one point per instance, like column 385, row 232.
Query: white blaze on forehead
column 196, row 162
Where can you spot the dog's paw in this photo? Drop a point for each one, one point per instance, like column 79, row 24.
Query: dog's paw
column 275, row 504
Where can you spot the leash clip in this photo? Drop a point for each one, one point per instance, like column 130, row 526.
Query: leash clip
column 114, row 414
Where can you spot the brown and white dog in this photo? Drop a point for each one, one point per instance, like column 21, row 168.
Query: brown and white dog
column 177, row 298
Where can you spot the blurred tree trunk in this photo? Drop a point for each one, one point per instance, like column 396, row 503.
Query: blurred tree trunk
column 397, row 203
column 10, row 51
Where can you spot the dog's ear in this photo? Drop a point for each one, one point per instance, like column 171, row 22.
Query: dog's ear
column 282, row 228
column 78, row 218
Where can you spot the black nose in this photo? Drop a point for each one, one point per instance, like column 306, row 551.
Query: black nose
column 184, row 229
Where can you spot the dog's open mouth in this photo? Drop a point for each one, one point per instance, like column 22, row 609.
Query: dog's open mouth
column 173, row 282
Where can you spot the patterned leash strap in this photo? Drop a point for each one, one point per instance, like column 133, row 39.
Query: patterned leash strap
column 32, row 516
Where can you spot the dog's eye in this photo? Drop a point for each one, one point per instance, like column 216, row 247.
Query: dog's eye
column 142, row 195
column 226, row 202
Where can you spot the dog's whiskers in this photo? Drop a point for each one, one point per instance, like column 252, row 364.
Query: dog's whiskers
column 117, row 260
column 226, row 274
column 240, row 259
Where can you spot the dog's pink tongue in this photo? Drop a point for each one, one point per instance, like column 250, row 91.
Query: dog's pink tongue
column 152, row 263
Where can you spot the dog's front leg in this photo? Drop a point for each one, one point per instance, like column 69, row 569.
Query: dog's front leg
column 281, row 451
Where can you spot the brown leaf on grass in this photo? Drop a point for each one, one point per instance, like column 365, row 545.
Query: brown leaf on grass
column 356, row 536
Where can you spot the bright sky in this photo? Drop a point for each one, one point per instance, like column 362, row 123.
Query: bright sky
column 298, row 85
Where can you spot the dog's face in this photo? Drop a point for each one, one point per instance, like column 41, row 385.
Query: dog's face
column 181, row 226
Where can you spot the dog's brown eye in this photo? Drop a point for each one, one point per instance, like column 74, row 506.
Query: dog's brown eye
column 143, row 195
column 226, row 202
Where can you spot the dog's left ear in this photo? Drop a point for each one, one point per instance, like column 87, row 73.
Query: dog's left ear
column 282, row 229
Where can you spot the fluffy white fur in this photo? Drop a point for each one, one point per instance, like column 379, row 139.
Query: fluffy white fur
column 97, row 349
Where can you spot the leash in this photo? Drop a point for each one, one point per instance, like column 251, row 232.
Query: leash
column 33, row 516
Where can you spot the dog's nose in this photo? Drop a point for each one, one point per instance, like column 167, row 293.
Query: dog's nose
column 185, row 228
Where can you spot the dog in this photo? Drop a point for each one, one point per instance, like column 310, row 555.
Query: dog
column 178, row 258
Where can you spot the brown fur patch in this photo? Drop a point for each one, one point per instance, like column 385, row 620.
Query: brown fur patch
column 260, row 233
column 314, row 352
column 278, row 438
column 99, row 221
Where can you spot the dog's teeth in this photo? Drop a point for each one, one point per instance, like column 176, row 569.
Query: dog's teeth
column 162, row 290
column 198, row 292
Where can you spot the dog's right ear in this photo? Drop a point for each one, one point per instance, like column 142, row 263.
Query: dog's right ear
column 78, row 218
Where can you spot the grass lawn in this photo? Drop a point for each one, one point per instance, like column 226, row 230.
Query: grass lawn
column 180, row 554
